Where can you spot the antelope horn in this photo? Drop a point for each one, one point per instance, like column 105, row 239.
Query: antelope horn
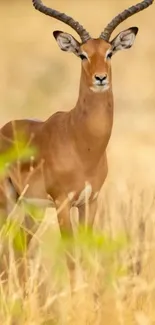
column 123, row 16
column 84, row 35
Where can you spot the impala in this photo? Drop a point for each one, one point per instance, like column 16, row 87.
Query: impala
column 71, row 162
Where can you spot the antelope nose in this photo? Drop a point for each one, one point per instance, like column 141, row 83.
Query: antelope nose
column 100, row 77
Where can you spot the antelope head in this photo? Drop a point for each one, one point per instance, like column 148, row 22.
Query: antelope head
column 95, row 54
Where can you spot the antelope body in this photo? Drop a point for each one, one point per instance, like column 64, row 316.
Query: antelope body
column 71, row 160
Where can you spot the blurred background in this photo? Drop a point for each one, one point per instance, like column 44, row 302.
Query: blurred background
column 37, row 78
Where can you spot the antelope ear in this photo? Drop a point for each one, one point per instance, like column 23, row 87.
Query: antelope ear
column 124, row 40
column 67, row 42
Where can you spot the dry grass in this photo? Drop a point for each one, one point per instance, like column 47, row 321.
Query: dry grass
column 37, row 79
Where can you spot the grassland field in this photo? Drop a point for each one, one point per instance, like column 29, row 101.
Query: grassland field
column 36, row 80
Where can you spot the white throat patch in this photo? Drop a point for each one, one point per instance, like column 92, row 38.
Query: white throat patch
column 84, row 196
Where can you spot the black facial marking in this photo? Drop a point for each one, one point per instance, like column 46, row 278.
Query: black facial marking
column 109, row 56
column 82, row 56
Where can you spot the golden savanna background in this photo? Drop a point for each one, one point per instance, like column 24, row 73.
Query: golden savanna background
column 36, row 80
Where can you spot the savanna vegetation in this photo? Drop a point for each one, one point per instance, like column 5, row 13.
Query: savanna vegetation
column 115, row 277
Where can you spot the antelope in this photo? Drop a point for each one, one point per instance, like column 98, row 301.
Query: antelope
column 71, row 162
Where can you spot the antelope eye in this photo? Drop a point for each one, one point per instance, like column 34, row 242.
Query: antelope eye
column 109, row 55
column 83, row 57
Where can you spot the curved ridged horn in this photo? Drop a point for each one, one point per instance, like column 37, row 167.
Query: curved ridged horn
column 123, row 16
column 84, row 35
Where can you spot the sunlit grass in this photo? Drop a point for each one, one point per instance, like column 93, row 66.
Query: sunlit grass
column 113, row 280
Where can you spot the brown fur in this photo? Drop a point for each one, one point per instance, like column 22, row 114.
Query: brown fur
column 71, row 145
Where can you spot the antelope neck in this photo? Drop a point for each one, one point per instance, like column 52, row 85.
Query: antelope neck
column 93, row 113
